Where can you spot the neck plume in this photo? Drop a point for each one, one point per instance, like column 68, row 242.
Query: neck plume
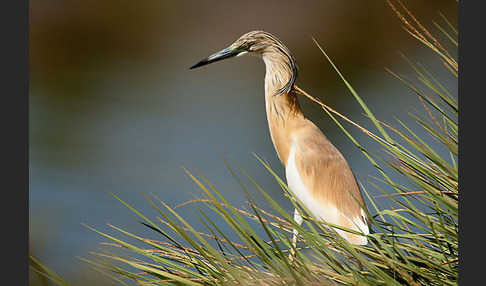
column 281, row 70
column 283, row 110
column 280, row 76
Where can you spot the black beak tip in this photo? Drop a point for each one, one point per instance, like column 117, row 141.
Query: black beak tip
column 201, row 63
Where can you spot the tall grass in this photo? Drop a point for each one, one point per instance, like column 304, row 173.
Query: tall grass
column 413, row 243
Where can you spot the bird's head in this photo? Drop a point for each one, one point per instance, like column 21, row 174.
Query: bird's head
column 263, row 44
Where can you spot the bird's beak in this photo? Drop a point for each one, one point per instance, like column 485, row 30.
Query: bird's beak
column 221, row 55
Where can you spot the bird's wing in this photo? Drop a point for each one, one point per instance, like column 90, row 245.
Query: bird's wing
column 318, row 171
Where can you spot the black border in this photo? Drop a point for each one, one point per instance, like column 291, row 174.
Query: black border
column 14, row 23
column 471, row 121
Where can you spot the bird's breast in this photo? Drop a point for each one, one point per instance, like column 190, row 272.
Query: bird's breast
column 318, row 208
column 299, row 188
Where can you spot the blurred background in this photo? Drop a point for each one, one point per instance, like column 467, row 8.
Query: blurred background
column 115, row 108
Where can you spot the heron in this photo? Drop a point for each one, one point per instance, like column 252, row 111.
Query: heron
column 316, row 172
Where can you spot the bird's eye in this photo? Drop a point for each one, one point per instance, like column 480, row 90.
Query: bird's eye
column 246, row 46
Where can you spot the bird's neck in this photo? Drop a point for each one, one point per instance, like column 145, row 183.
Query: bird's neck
column 283, row 110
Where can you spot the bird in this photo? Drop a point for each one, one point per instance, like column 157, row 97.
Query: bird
column 316, row 171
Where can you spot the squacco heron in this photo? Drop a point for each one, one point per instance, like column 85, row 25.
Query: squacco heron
column 316, row 172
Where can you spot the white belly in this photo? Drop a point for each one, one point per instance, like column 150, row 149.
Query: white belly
column 328, row 212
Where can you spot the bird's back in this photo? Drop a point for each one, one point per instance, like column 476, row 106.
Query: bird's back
column 320, row 177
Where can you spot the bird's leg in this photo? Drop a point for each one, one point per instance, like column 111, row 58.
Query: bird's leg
column 298, row 220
